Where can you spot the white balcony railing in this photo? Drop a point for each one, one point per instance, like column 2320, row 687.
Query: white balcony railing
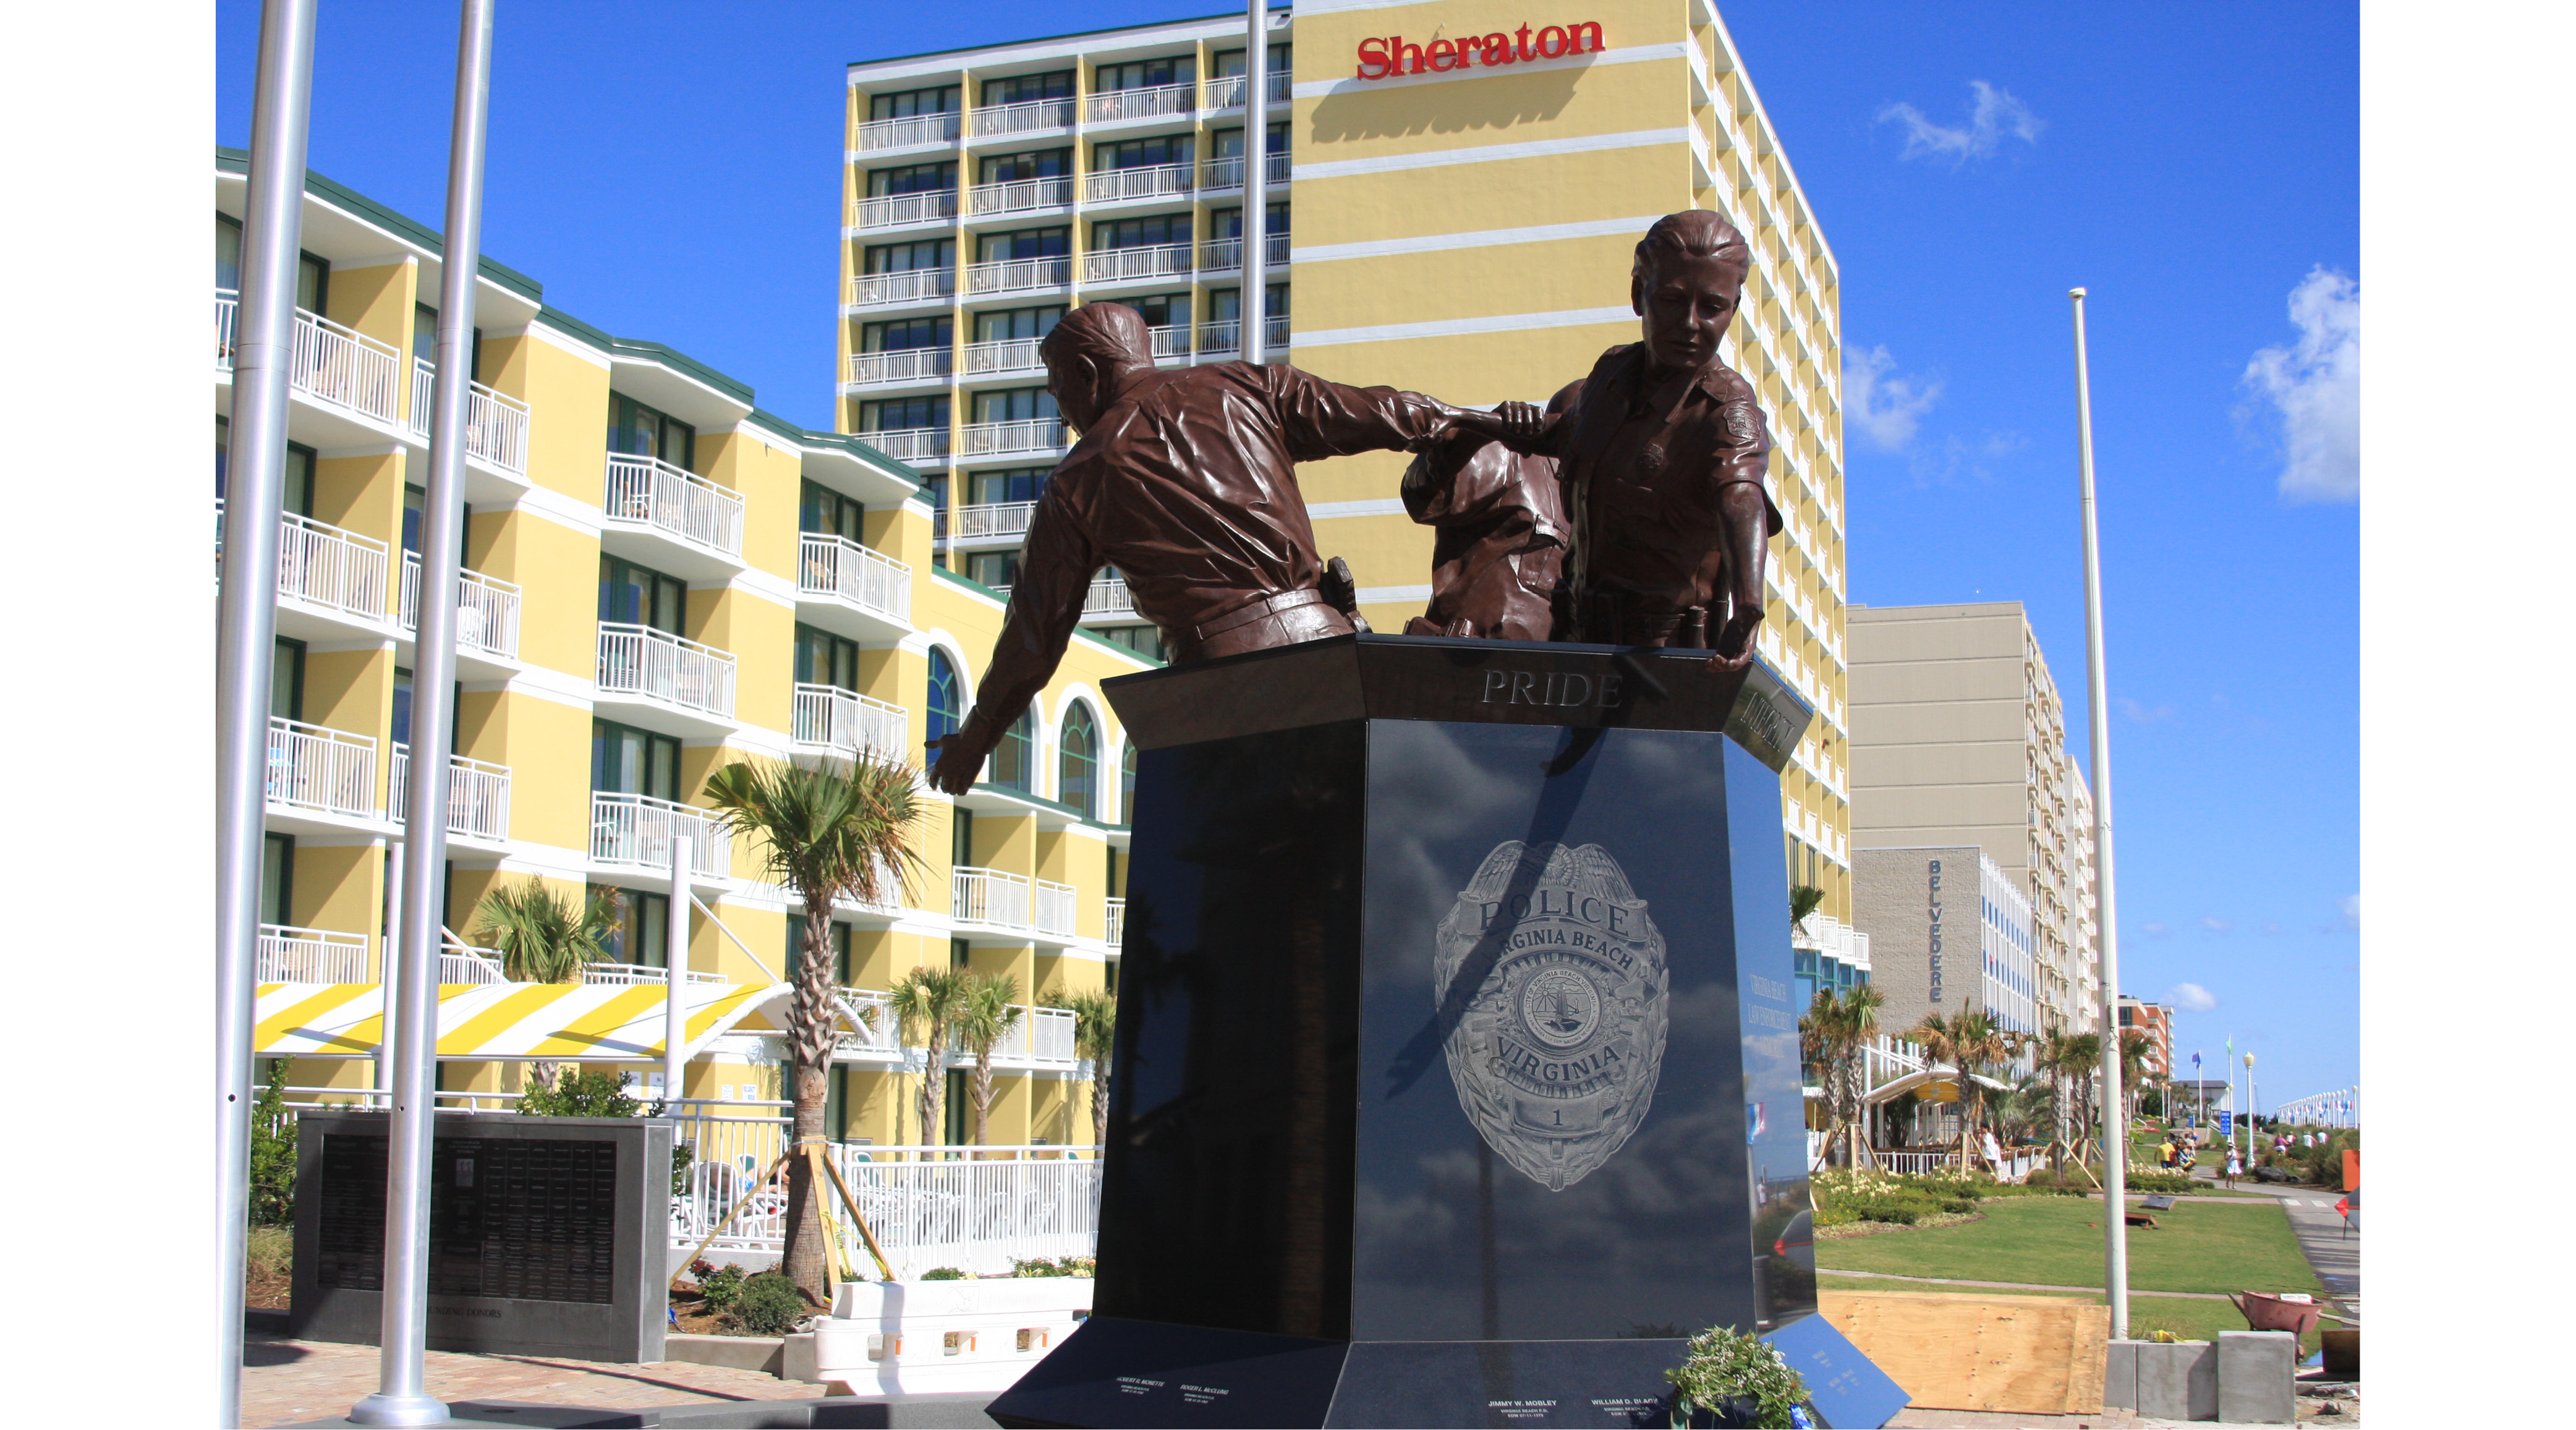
column 897, row 210
column 840, row 568
column 1020, row 195
column 639, row 660
column 1110, row 106
column 1227, row 172
column 635, row 830
column 1109, row 186
column 1020, row 118
column 633, row 975
column 999, row 439
column 227, row 315
column 1226, row 91
column 913, row 285
column 1018, row 275
column 1171, row 341
column 909, row 444
column 1002, row 355
column 487, row 609
column 989, row 896
column 1053, row 907
column 1114, row 922
column 875, row 1029
column 680, row 503
column 899, row 365
column 317, row 768
column 1000, row 518
column 1109, row 597
column 478, row 795
column 1115, row 265
column 322, row 565
column 909, row 130
column 842, row 722
column 1227, row 336
column 301, row 955
column 1038, row 1035
column 1223, row 254
column 496, row 425
column 471, row 966
column 329, row 363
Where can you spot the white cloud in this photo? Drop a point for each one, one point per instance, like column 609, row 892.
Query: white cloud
column 2154, row 930
column 2314, row 387
column 1882, row 407
column 2192, row 998
column 1993, row 116
column 2210, row 925
column 2352, row 912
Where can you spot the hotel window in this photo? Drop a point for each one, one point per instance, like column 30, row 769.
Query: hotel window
column 625, row 760
column 1230, row 62
column 424, row 339
column 1163, row 310
column 1015, row 760
column 641, row 431
column 1127, row 784
column 823, row 658
column 1152, row 232
column 1017, row 323
column 297, row 497
column 277, row 879
column 1147, row 642
column 903, row 104
column 998, row 570
column 415, row 505
column 912, row 257
column 1225, row 305
column 639, row 595
column 1024, row 243
column 1228, row 223
column 1024, row 88
column 641, row 934
column 286, row 680
column 947, row 697
column 1143, row 74
column 1017, row 484
column 961, row 853
column 1036, row 164
column 312, row 274
column 903, row 414
column 906, row 335
column 1017, row 404
column 912, row 179
column 1142, row 153
column 1229, row 142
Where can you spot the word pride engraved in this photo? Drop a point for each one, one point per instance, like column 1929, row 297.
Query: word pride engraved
column 1556, row 1053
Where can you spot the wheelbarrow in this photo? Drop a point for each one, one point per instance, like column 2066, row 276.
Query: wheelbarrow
column 2276, row 1313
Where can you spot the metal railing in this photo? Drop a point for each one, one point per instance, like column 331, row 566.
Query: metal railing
column 1020, row 118
column 845, row 723
column 1020, row 195
column 909, row 444
column 1014, row 275
column 1114, row 265
column 909, row 130
column 1227, row 336
column 1172, row 340
column 1114, row 922
column 1038, row 1035
column 227, row 317
column 329, row 362
column 1002, row 355
column 1226, row 91
column 1108, row 596
column 989, row 896
column 496, row 425
column 671, row 499
column 989, row 439
column 1225, row 254
column 895, row 210
column 838, row 567
column 636, row 830
column 639, row 660
column 1110, row 106
column 300, row 955
column 632, row 975
column 1915, row 1164
column 899, row 365
column 1227, row 172
column 1109, row 186
column 322, row 565
column 909, row 286
column 487, row 609
column 1053, row 907
column 478, row 795
column 1000, row 518
column 318, row 768
column 876, row 1030
column 477, row 966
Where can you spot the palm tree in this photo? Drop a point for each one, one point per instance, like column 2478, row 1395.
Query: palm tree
column 542, row 938
column 1095, row 1036
column 1804, row 899
column 986, row 1014
column 1940, row 1038
column 929, row 997
column 1832, row 1033
column 2134, row 1047
column 832, row 832
column 2083, row 1057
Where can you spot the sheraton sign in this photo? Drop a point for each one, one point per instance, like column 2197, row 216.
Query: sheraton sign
column 1391, row 55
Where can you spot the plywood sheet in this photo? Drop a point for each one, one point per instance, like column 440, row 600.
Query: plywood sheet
column 2013, row 1355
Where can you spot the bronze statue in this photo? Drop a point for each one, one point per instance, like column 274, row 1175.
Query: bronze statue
column 1501, row 544
column 1185, row 481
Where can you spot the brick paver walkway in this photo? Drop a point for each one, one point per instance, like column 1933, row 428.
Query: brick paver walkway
column 285, row 1382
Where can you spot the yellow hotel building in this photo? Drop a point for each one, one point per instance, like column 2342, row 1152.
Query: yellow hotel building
column 660, row 578
column 1464, row 231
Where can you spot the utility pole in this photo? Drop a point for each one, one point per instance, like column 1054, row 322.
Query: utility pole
column 1252, row 311
column 400, row 1398
column 2115, row 1180
column 246, row 624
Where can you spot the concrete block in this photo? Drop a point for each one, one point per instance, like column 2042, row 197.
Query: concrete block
column 759, row 1353
column 2120, row 1375
column 2178, row 1381
column 796, row 1359
column 2258, row 1377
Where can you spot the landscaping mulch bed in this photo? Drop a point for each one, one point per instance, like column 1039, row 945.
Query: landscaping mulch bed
column 696, row 1320
column 1873, row 1228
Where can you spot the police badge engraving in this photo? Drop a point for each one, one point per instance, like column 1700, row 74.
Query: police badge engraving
column 1556, row 1051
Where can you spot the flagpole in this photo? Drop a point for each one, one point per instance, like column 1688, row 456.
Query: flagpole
column 1252, row 309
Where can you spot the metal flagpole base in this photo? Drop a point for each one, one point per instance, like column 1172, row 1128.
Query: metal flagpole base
column 383, row 1409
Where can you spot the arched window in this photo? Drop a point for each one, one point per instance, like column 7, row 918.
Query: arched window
column 947, row 695
column 1014, row 763
column 1127, row 784
column 1077, row 765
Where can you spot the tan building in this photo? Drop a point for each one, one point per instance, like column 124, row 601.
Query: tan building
column 1959, row 737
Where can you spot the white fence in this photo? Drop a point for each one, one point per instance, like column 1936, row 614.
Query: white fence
column 1226, row 91
column 344, row 367
column 1114, row 265
column 478, row 795
column 993, row 439
column 322, row 565
column 1020, row 118
column 1172, row 340
column 1110, row 106
column 899, row 365
column 1053, row 907
column 1227, row 336
column 909, row 444
column 496, row 425
column 1003, row 518
column 1227, row 253
column 1004, row 355
column 1150, row 181
column 629, row 975
column 909, row 130
column 301, row 955
column 1013, row 275
column 636, row 830
column 313, row 767
column 989, row 896
column 639, row 660
column 487, row 609
column 1020, row 195
column 845, row 723
column 1227, row 172
column 913, row 285
column 1109, row 596
column 1114, row 924
column 670, row 499
column 1915, row 1164
column 839, row 567
column 895, row 210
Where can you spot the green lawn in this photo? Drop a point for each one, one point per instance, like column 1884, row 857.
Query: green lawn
column 2187, row 1320
column 2057, row 1241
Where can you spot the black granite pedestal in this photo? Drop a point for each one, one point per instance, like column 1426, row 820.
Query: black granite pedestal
column 1456, row 1078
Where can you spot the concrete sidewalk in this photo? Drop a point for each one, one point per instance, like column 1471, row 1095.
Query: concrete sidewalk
column 291, row 1382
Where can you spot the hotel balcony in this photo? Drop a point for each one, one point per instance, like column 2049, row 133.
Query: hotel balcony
column 328, row 579
column 478, row 796
column 989, row 524
column 913, row 285
column 904, row 210
column 320, row 779
column 1106, row 603
column 639, row 975
column 1225, row 255
column 1128, row 265
column 1118, row 186
column 1006, row 355
column 1019, row 196
column 874, row 1034
column 1216, row 175
column 672, row 520
column 1019, row 275
column 1034, row 437
column 909, row 131
column 995, row 901
column 1172, row 341
column 1115, row 105
column 487, row 616
column 496, row 426
column 840, row 724
column 670, row 680
column 343, row 370
column 1226, row 91
column 1023, row 118
column 300, row 955
column 1218, row 340
column 851, row 590
column 634, row 831
column 1114, row 922
column 1038, row 1038
column 909, row 444
column 898, row 368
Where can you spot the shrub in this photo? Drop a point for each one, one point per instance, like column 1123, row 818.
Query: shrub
column 719, row 1287
column 767, row 1305
column 576, row 1093
column 1040, row 1266
column 271, row 1250
column 943, row 1273
column 1724, row 1365
column 272, row 1152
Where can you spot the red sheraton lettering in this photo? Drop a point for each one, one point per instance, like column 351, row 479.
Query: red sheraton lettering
column 1380, row 57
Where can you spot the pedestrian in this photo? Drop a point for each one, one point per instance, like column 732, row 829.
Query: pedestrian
column 2234, row 1167
column 2165, row 1154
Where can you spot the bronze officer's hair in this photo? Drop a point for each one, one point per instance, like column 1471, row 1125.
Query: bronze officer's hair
column 1103, row 332
column 1692, row 233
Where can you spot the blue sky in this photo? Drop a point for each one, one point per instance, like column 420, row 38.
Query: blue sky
column 670, row 172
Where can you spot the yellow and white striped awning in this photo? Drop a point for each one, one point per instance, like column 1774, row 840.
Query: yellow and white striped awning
column 554, row 1022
